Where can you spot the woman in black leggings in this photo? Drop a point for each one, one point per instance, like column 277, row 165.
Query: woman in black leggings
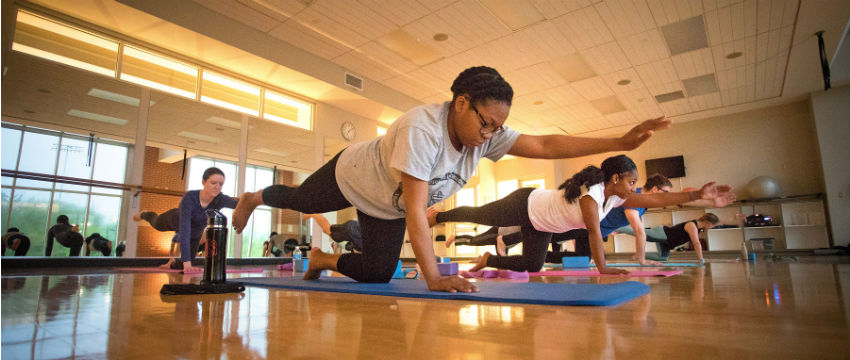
column 426, row 156
column 16, row 241
column 66, row 235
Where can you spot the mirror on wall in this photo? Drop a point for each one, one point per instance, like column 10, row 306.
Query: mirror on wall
column 51, row 110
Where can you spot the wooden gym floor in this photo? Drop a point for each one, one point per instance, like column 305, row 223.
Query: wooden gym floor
column 729, row 309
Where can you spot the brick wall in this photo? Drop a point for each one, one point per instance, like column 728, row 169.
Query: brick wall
column 158, row 175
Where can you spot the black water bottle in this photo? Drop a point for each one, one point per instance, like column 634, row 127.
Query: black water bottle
column 216, row 233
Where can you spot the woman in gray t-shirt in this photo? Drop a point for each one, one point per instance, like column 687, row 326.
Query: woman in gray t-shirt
column 426, row 156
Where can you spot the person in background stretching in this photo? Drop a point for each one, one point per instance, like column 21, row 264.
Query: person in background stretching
column 426, row 156
column 66, row 234
column 193, row 217
column 580, row 202
column 95, row 242
column 13, row 239
column 167, row 221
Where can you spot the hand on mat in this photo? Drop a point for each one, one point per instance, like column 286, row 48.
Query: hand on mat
column 615, row 271
column 646, row 262
column 189, row 269
column 452, row 284
column 638, row 134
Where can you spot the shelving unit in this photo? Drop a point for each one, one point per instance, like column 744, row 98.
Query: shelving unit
column 800, row 224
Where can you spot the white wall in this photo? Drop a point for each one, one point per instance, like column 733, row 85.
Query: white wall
column 831, row 110
column 778, row 142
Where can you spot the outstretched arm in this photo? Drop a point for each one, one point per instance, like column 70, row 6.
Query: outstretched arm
column 564, row 146
column 709, row 191
column 693, row 233
column 591, row 221
column 415, row 199
column 640, row 237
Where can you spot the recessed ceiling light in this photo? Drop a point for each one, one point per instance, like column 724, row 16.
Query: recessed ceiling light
column 441, row 37
column 44, row 91
column 538, row 102
column 735, row 54
column 28, row 111
column 624, row 82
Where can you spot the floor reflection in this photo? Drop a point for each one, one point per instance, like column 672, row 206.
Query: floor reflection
column 788, row 310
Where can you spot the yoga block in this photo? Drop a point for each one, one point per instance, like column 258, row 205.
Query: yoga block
column 300, row 265
column 575, row 261
column 447, row 268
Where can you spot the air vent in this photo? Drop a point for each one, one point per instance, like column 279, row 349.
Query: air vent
column 354, row 81
column 676, row 95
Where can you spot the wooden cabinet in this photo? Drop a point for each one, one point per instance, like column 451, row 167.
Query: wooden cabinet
column 800, row 223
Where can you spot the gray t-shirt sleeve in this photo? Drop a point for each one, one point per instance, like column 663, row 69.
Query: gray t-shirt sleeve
column 415, row 152
column 501, row 144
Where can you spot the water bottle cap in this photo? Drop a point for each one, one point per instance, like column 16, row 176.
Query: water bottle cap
column 216, row 219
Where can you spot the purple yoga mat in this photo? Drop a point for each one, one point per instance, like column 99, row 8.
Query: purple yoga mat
column 596, row 273
column 161, row 270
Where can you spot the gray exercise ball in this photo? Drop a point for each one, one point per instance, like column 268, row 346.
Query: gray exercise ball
column 763, row 187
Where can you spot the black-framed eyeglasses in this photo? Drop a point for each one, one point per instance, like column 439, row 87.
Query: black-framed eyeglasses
column 485, row 128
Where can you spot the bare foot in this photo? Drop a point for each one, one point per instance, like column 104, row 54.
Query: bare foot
column 450, row 240
column 482, row 262
column 314, row 267
column 247, row 203
column 431, row 214
column 168, row 264
column 501, row 249
column 138, row 216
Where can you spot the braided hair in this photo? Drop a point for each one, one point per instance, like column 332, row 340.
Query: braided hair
column 593, row 175
column 482, row 83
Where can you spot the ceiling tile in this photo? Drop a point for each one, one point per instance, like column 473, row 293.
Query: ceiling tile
column 545, row 40
column 555, row 8
column 700, row 85
column 608, row 105
column 466, row 22
column 621, row 118
column 593, row 88
column 626, row 17
column 705, row 102
column 658, row 72
column 410, row 86
column 355, row 17
column 677, row 107
column 644, row 47
column 606, row 58
column 747, row 48
column 629, row 74
column 694, row 63
column 584, row 28
column 399, row 12
column 534, row 78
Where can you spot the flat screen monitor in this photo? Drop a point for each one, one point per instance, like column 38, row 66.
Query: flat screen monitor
column 671, row 167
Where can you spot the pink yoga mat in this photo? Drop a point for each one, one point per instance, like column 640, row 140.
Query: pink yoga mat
column 490, row 274
column 161, row 270
column 596, row 273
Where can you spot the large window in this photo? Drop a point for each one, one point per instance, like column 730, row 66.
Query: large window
column 51, row 39
column 33, row 205
column 256, row 177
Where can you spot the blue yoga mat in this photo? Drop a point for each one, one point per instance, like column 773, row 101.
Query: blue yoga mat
column 491, row 291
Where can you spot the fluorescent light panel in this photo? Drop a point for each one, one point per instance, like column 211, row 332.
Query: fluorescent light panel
column 159, row 60
column 196, row 136
column 271, row 152
column 97, row 117
column 233, row 84
column 224, row 122
column 115, row 97
column 158, row 86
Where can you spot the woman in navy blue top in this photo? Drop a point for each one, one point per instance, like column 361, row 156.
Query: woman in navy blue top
column 193, row 218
